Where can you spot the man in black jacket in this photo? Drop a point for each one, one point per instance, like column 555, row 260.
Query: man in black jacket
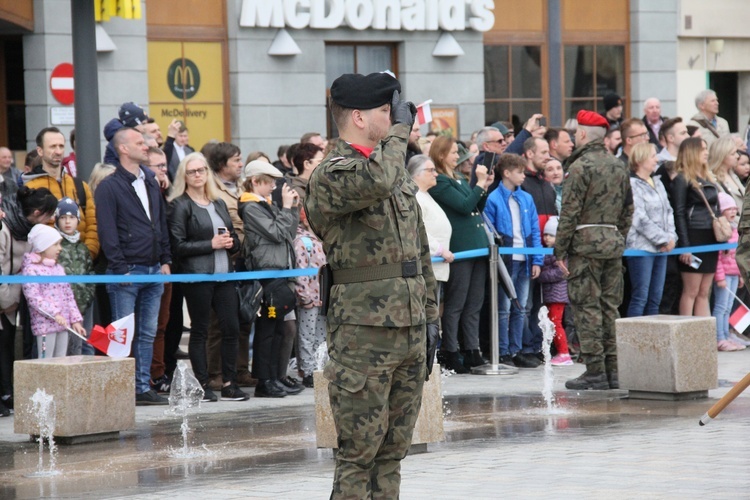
column 132, row 227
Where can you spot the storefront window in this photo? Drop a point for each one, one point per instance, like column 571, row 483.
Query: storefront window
column 591, row 72
column 356, row 58
column 512, row 82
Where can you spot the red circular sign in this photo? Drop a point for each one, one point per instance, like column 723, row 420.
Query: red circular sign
column 61, row 83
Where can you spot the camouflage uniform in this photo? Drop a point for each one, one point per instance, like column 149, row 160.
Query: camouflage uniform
column 366, row 213
column 742, row 255
column 597, row 210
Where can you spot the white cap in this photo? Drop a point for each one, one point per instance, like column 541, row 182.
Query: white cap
column 41, row 237
column 259, row 167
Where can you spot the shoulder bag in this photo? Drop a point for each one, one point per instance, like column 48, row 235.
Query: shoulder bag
column 721, row 226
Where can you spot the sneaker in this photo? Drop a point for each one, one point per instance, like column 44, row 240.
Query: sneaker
column 562, row 360
column 150, row 398
column 737, row 346
column 161, row 384
column 233, row 393
column 269, row 389
column 4, row 410
column 452, row 361
column 506, row 360
column 522, row 360
column 307, row 381
column 246, row 380
column 209, row 396
column 737, row 339
column 180, row 354
column 215, row 383
column 291, row 386
column 8, row 401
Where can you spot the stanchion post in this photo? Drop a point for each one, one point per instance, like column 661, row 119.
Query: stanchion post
column 494, row 368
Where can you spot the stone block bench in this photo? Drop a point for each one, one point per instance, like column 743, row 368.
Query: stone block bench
column 94, row 396
column 667, row 357
column 428, row 429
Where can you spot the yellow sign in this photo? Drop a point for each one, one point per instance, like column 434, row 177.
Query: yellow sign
column 186, row 82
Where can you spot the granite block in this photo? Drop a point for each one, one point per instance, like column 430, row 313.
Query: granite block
column 429, row 426
column 92, row 394
column 667, row 354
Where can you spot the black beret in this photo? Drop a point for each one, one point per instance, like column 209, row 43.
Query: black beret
column 356, row 91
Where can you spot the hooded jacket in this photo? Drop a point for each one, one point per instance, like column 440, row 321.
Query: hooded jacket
column 269, row 233
column 66, row 186
column 653, row 219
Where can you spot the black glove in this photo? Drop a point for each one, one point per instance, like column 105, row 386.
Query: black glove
column 402, row 111
column 433, row 336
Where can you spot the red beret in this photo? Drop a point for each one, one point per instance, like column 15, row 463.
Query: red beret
column 591, row 119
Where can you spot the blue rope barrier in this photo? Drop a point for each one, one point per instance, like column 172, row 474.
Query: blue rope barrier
column 293, row 273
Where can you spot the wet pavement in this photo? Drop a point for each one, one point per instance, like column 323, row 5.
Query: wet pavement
column 501, row 441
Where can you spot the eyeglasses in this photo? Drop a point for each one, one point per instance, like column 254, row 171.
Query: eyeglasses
column 159, row 165
column 645, row 134
column 197, row 171
column 431, row 170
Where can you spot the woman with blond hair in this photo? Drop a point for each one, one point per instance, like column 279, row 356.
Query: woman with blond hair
column 203, row 239
column 653, row 231
column 693, row 186
column 464, row 290
column 722, row 160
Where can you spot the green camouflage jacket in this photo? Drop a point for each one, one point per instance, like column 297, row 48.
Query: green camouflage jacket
column 366, row 214
column 596, row 193
column 75, row 258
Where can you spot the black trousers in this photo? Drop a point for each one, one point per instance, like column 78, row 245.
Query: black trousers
column 222, row 298
column 7, row 354
column 173, row 332
column 269, row 335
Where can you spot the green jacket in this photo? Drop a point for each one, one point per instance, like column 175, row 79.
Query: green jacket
column 463, row 205
column 597, row 194
column 366, row 213
column 75, row 258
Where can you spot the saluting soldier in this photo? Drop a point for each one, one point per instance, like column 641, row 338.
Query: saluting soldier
column 361, row 203
column 597, row 211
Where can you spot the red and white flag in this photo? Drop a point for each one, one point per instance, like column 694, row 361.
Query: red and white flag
column 424, row 113
column 740, row 319
column 116, row 339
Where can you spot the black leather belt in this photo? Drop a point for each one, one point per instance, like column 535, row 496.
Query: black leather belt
column 406, row 269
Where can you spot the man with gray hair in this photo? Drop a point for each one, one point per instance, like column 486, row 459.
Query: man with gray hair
column 653, row 120
column 708, row 121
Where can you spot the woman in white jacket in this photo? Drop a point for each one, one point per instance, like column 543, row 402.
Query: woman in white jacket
column 653, row 230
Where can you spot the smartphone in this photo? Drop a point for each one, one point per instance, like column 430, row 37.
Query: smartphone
column 489, row 160
column 222, row 230
column 695, row 262
column 542, row 121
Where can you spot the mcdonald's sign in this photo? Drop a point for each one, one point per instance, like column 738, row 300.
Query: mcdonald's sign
column 183, row 78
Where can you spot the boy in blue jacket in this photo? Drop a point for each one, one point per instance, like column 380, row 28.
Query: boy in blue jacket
column 514, row 215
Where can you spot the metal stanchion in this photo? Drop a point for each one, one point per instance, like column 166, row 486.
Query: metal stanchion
column 494, row 368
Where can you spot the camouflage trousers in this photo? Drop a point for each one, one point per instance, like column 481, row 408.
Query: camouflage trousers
column 376, row 376
column 595, row 288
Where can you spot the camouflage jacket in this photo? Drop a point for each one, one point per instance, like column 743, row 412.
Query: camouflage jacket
column 597, row 205
column 366, row 214
column 76, row 260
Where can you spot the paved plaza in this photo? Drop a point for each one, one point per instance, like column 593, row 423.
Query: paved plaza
column 501, row 442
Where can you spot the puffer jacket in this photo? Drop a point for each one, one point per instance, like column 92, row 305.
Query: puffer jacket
column 554, row 286
column 191, row 232
column 52, row 298
column 76, row 260
column 269, row 233
column 653, row 218
column 727, row 263
column 690, row 210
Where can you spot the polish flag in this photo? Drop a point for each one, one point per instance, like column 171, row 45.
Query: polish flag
column 740, row 319
column 115, row 340
column 424, row 113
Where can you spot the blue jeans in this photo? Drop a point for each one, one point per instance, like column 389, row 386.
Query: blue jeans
column 511, row 317
column 532, row 334
column 647, row 276
column 144, row 300
column 723, row 301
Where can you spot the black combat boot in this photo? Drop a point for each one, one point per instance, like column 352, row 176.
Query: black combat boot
column 593, row 378
column 473, row 358
column 610, row 367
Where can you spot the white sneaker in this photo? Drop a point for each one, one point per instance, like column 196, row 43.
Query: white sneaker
column 738, row 340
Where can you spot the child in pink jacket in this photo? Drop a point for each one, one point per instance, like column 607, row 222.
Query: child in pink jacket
column 55, row 299
column 726, row 280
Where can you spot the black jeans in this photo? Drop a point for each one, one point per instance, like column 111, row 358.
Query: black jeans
column 7, row 354
column 201, row 298
column 173, row 332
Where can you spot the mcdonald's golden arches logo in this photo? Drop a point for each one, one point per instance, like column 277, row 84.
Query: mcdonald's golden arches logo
column 183, row 78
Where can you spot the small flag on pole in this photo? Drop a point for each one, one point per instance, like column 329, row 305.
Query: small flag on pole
column 740, row 319
column 116, row 339
column 424, row 113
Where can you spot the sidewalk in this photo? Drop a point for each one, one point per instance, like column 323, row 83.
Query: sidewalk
column 500, row 442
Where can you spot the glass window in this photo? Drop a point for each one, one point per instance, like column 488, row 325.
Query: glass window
column 591, row 72
column 512, row 83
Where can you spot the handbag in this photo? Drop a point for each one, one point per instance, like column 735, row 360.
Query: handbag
column 278, row 297
column 250, row 296
column 722, row 228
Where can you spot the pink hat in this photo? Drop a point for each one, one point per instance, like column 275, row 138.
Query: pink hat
column 726, row 202
column 41, row 237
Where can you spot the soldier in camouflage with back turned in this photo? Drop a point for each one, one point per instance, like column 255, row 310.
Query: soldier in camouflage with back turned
column 597, row 211
column 362, row 205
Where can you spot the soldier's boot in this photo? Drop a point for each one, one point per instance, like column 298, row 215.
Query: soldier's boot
column 593, row 378
column 610, row 367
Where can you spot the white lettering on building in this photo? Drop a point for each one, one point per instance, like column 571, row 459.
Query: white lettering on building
column 408, row 15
